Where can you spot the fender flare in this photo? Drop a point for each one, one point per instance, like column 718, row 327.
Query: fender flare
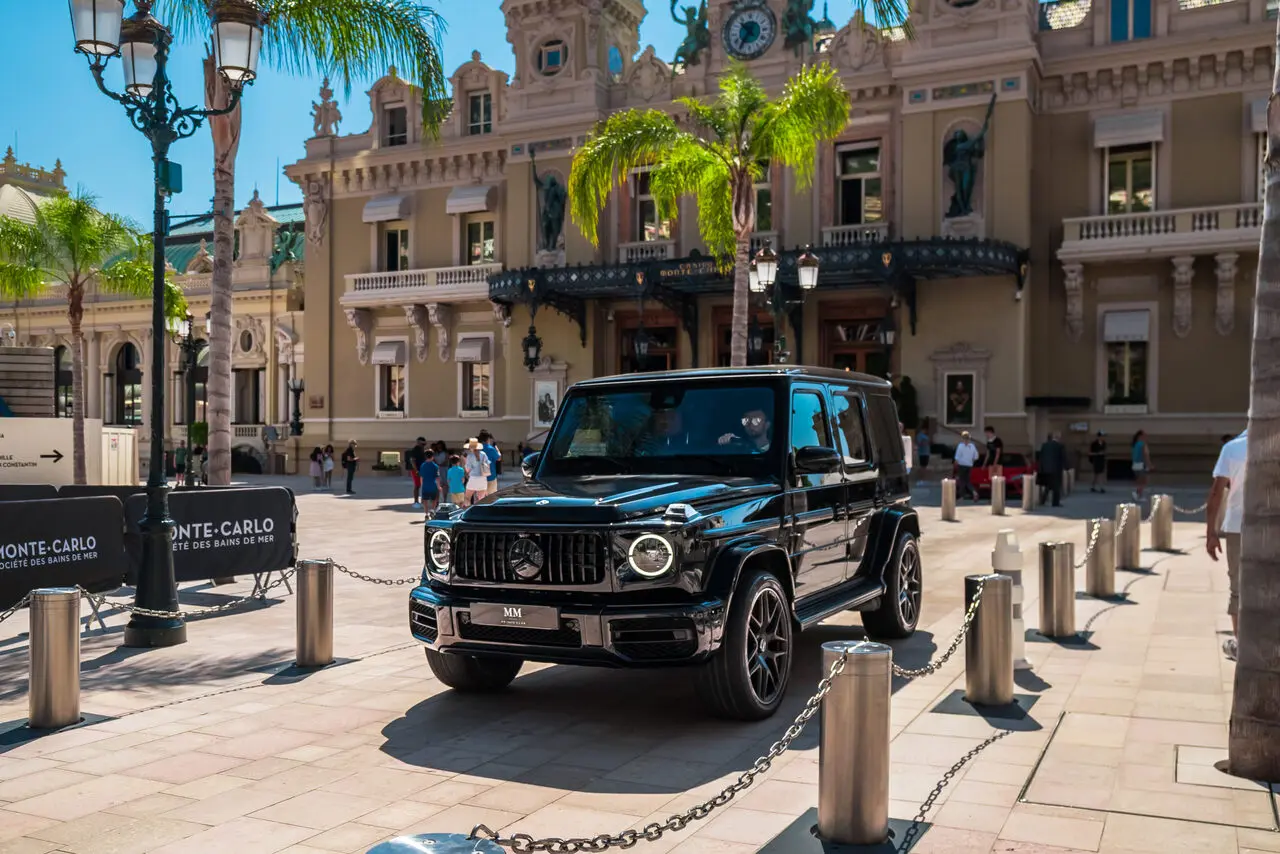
column 734, row 556
column 887, row 526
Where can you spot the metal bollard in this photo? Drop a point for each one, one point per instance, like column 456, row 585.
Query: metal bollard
column 1007, row 559
column 1028, row 493
column 1100, row 570
column 1162, row 523
column 1057, row 590
column 997, row 495
column 315, row 613
column 853, row 753
column 54, row 699
column 948, row 499
column 1128, row 537
column 988, row 650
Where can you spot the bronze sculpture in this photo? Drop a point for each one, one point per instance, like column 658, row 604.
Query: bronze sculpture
column 697, row 33
column 960, row 156
column 551, row 197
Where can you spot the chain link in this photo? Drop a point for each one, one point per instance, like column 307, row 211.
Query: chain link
column 1095, row 528
column 1155, row 506
column 1124, row 517
column 1199, row 509
column 140, row 611
column 917, row 822
column 523, row 842
column 14, row 608
column 936, row 665
column 389, row 582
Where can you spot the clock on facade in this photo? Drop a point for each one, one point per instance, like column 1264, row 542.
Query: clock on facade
column 749, row 30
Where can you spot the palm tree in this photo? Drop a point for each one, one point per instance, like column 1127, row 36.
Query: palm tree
column 1254, row 742
column 74, row 245
column 716, row 156
column 346, row 39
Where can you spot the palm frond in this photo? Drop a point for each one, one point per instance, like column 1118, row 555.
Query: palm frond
column 693, row 170
column 742, row 97
column 710, row 118
column 21, row 249
column 618, row 144
column 188, row 20
column 887, row 15
column 814, row 107
column 130, row 272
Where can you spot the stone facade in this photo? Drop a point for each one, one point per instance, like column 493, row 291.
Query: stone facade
column 1113, row 218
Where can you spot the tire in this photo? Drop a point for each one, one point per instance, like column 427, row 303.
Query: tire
column 747, row 678
column 899, row 611
column 477, row 674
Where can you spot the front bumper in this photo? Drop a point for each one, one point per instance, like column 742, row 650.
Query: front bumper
column 608, row 636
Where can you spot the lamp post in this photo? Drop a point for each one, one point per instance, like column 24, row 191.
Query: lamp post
column 295, row 388
column 183, row 332
column 762, row 279
column 142, row 43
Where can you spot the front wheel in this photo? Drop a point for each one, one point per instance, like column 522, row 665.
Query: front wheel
column 748, row 676
column 473, row 673
column 899, row 611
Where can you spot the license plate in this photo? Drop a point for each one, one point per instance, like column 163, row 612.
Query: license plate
column 521, row 616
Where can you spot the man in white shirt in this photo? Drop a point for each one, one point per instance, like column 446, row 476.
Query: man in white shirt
column 1228, row 478
column 966, row 456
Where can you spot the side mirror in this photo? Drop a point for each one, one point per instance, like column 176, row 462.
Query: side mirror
column 529, row 465
column 815, row 459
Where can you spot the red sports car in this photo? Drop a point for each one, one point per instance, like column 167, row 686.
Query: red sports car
column 1015, row 466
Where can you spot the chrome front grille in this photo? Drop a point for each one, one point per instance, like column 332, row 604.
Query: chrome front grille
column 567, row 558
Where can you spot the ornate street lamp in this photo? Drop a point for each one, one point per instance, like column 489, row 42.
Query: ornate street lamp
column 762, row 278
column 887, row 332
column 142, row 43
column 532, row 347
column 183, row 333
column 296, row 387
column 807, row 269
column 755, row 336
column 753, row 279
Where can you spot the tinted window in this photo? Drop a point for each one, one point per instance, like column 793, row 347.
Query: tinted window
column 884, row 429
column 809, row 427
column 853, row 436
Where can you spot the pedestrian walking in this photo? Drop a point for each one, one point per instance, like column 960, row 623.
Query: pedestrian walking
column 994, row 460
column 923, row 444
column 1140, row 460
column 429, row 477
column 477, row 466
column 180, row 463
column 1228, row 486
column 440, row 453
column 1098, row 461
column 965, row 458
column 317, row 469
column 327, row 466
column 350, row 459
column 1051, row 465
column 456, row 480
column 495, row 459
column 413, row 461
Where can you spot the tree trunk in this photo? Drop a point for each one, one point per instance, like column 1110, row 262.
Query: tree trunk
column 226, row 142
column 744, row 222
column 1254, row 743
column 75, row 314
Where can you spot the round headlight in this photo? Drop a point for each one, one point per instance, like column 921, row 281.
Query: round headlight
column 651, row 555
column 441, row 550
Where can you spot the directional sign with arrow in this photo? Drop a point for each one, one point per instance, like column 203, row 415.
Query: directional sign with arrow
column 55, row 456
column 38, row 450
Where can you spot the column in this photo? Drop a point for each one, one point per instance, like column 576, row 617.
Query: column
column 92, row 376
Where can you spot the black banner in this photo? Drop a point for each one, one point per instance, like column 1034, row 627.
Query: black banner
column 60, row 542
column 124, row 493
column 27, row 492
column 223, row 532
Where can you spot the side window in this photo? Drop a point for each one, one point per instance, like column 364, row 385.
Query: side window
column 852, row 433
column 809, row 427
column 884, row 426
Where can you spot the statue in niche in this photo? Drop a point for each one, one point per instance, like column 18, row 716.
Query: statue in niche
column 697, row 33
column 552, row 197
column 961, row 156
column 798, row 25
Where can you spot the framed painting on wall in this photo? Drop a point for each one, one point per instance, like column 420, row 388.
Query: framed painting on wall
column 958, row 390
column 546, row 400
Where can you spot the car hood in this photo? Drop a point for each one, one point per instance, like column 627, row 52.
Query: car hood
column 609, row 498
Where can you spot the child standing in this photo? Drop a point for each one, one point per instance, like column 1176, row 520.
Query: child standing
column 316, row 471
column 456, row 478
column 327, row 464
column 429, row 473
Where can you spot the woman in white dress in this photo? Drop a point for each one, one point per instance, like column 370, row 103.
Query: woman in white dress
column 477, row 466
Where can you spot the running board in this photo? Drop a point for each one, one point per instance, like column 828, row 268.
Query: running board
column 846, row 597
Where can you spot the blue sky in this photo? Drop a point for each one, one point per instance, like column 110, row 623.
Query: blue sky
column 59, row 112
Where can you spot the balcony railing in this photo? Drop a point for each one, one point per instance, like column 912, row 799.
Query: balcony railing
column 1160, row 233
column 432, row 283
column 854, row 235
column 646, row 250
column 761, row 239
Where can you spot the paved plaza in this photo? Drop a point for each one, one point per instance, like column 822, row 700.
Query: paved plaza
column 215, row 746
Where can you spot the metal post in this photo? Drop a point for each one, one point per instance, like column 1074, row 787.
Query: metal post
column 1162, row 523
column 1028, row 493
column 853, row 754
column 948, row 499
column 1128, row 537
column 1100, row 571
column 997, row 495
column 315, row 613
column 1007, row 559
column 54, row 699
column 988, row 650
column 1057, row 590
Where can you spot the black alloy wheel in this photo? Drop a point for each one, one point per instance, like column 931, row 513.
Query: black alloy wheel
column 747, row 677
column 899, row 611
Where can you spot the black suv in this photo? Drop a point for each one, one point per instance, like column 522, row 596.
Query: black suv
column 694, row 517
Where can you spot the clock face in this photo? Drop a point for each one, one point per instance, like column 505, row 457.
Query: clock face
column 748, row 33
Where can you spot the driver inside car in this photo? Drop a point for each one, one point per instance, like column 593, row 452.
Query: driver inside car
column 755, row 431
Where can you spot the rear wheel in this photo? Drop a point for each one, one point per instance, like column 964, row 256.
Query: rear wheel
column 747, row 678
column 473, row 673
column 899, row 611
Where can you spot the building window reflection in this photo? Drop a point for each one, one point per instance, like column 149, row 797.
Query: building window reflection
column 860, row 190
column 764, row 199
column 480, row 113
column 647, row 225
column 480, row 242
column 1131, row 179
column 63, row 382
column 127, row 379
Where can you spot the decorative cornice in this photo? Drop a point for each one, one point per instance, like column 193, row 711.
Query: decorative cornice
column 417, row 317
column 361, row 320
column 440, row 316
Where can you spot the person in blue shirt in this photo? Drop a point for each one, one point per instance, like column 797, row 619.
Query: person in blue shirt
column 430, row 473
column 488, row 449
column 456, row 480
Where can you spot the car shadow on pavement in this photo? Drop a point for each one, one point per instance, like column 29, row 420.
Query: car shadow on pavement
column 611, row 731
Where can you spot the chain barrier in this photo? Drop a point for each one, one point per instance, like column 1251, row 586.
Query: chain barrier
column 1124, row 517
column 1094, row 529
column 14, row 608
column 1200, row 509
column 908, row 838
column 1155, row 507
column 523, row 842
column 256, row 596
column 936, row 665
column 389, row 582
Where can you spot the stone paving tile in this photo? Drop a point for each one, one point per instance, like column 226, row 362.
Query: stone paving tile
column 319, row 810
column 81, row 799
column 242, row 836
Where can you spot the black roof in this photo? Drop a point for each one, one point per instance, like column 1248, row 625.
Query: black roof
column 798, row 371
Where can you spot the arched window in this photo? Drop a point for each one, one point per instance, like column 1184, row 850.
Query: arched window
column 128, row 386
column 198, row 380
column 62, row 382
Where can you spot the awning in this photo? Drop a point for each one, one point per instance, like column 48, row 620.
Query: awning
column 388, row 353
column 469, row 198
column 1258, row 115
column 1126, row 325
column 472, row 350
column 384, row 208
column 1132, row 127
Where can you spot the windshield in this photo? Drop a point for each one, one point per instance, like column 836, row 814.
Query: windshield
column 724, row 429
